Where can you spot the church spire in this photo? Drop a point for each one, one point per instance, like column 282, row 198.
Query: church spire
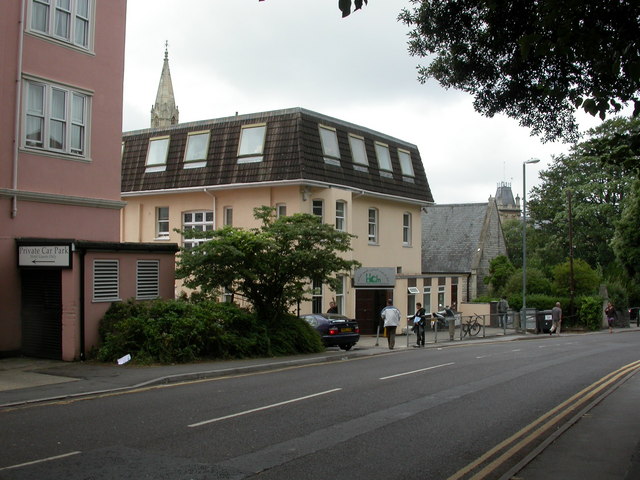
column 165, row 112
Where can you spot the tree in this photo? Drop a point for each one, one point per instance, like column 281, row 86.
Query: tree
column 345, row 6
column 534, row 60
column 585, row 279
column 597, row 190
column 500, row 270
column 270, row 266
column 626, row 241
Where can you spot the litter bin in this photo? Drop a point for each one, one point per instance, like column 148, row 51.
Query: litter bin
column 544, row 321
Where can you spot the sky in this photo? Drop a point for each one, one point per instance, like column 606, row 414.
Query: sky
column 246, row 56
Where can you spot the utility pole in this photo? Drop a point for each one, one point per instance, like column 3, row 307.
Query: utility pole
column 572, row 280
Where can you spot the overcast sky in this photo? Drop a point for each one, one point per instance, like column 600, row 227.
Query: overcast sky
column 245, row 56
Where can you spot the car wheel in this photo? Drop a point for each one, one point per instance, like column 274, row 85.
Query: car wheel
column 346, row 347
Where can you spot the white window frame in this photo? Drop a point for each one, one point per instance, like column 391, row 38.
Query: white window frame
column 341, row 215
column 195, row 154
column 384, row 157
column 406, row 229
column 281, row 210
column 406, row 165
column 426, row 298
column 227, row 216
column 190, row 221
column 316, row 296
column 340, row 294
column 317, row 208
column 70, row 118
column 147, row 279
column 373, row 226
column 106, row 280
column 358, row 150
column 45, row 17
column 250, row 150
column 157, row 153
column 330, row 145
column 162, row 223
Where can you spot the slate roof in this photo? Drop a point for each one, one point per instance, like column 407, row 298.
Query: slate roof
column 292, row 153
column 451, row 236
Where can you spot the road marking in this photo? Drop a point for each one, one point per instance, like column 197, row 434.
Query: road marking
column 42, row 460
column 526, row 435
column 416, row 371
column 266, row 407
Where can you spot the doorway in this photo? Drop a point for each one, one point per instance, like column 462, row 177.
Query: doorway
column 369, row 304
column 42, row 313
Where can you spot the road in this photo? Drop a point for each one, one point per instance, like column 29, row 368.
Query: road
column 434, row 413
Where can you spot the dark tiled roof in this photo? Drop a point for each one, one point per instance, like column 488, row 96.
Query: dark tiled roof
column 292, row 152
column 451, row 236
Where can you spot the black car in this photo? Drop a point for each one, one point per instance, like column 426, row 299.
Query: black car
column 634, row 315
column 336, row 330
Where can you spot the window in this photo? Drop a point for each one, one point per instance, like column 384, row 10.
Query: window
column 251, row 146
column 198, row 222
column 68, row 21
column 162, row 222
column 426, row 299
column 147, row 279
column 330, row 148
column 56, row 118
column 340, row 294
column 105, row 280
column 441, row 291
column 411, row 295
column 358, row 151
column 157, row 154
column 384, row 159
column 228, row 216
column 195, row 155
column 316, row 297
column 281, row 210
column 373, row 226
column 406, row 229
column 341, row 212
column 405, row 163
column 318, row 209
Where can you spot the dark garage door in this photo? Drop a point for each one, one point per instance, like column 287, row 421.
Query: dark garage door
column 42, row 313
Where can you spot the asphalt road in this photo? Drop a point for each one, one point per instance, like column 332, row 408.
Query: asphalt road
column 416, row 414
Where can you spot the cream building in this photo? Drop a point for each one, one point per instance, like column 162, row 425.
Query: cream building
column 203, row 175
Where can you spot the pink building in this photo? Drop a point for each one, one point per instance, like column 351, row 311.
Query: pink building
column 61, row 74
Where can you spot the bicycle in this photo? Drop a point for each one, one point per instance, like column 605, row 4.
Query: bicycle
column 472, row 327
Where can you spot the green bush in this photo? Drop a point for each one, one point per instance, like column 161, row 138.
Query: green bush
column 590, row 312
column 177, row 331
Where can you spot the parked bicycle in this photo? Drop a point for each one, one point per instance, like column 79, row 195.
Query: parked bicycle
column 472, row 327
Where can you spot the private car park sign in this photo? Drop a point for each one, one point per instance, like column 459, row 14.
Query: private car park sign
column 58, row 256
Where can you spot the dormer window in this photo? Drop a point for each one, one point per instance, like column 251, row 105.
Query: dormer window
column 157, row 154
column 358, row 152
column 384, row 159
column 405, row 163
column 330, row 148
column 251, row 148
column 195, row 155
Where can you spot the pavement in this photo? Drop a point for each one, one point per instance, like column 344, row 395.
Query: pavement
column 603, row 444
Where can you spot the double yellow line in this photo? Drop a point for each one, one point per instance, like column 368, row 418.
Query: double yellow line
column 488, row 463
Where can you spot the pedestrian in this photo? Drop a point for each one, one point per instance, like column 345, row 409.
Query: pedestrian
column 333, row 308
column 503, row 306
column 391, row 317
column 556, row 316
column 610, row 312
column 419, row 324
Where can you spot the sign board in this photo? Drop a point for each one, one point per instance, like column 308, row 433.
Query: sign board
column 375, row 277
column 58, row 256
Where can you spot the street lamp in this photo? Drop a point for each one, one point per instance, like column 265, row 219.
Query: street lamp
column 524, row 241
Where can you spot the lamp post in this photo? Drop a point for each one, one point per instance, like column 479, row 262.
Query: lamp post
column 524, row 241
